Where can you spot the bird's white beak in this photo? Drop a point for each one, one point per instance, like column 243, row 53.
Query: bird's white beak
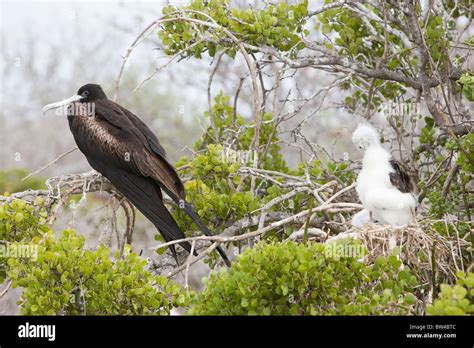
column 62, row 103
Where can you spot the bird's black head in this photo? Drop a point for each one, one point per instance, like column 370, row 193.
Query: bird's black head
column 91, row 92
column 86, row 94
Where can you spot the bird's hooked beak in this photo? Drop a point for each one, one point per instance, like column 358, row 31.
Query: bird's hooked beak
column 62, row 103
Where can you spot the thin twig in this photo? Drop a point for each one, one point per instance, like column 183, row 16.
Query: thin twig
column 49, row 164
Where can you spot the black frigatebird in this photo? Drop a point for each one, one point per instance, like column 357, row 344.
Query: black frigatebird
column 122, row 148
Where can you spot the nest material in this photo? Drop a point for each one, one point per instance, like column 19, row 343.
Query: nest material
column 432, row 257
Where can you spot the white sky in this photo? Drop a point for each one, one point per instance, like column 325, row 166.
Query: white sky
column 111, row 26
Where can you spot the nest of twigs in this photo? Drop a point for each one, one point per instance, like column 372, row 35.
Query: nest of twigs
column 432, row 257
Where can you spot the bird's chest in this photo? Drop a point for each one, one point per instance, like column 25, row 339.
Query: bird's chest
column 92, row 135
column 371, row 178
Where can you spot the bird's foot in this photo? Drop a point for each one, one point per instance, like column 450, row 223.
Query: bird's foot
column 92, row 175
column 93, row 172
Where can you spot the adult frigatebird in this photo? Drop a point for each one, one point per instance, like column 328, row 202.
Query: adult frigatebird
column 122, row 148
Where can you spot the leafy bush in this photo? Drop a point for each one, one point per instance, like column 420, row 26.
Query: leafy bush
column 22, row 221
column 467, row 83
column 280, row 26
column 67, row 279
column 212, row 193
column 306, row 279
column 218, row 192
column 19, row 223
column 453, row 202
column 455, row 299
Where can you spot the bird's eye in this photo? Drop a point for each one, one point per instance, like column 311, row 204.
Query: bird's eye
column 85, row 93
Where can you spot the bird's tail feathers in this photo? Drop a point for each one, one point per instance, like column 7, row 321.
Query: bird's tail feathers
column 189, row 210
column 143, row 195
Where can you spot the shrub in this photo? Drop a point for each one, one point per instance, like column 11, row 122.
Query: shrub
column 300, row 279
column 67, row 279
column 19, row 223
column 455, row 299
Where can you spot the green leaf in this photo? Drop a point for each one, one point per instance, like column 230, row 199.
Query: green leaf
column 245, row 302
column 409, row 299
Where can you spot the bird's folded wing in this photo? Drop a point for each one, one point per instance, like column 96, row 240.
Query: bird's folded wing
column 146, row 156
column 399, row 177
column 153, row 166
column 145, row 196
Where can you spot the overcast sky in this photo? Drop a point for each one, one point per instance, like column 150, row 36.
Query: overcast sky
column 50, row 29
column 51, row 48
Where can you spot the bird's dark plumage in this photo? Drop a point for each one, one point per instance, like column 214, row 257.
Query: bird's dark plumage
column 399, row 177
column 121, row 147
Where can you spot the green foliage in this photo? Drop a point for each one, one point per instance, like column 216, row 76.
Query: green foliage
column 216, row 190
column 67, row 279
column 364, row 40
column 306, row 279
column 458, row 194
column 322, row 173
column 455, row 299
column 279, row 26
column 10, row 181
column 437, row 39
column 229, row 125
column 213, row 189
column 352, row 32
column 467, row 83
column 428, row 131
column 465, row 157
column 19, row 223
column 355, row 40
